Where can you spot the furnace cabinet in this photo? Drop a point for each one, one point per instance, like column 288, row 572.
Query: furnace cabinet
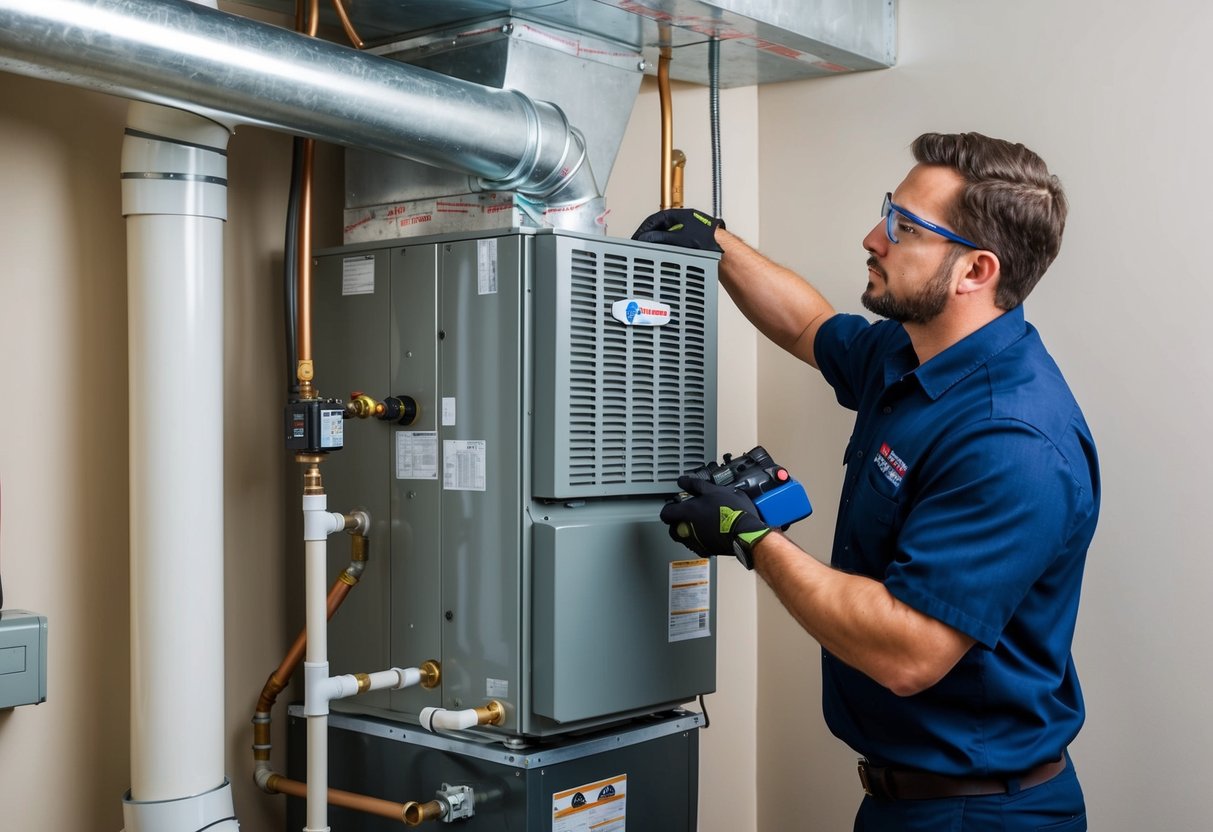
column 563, row 382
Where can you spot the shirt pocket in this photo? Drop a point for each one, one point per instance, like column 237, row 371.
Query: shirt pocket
column 874, row 523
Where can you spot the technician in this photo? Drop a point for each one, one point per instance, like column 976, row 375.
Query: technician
column 970, row 496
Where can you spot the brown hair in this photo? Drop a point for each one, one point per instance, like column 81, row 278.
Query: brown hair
column 1010, row 205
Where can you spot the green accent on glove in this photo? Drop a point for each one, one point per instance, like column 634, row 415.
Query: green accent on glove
column 708, row 221
column 728, row 516
column 750, row 538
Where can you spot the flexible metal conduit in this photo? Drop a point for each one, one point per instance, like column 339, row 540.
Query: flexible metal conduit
column 179, row 54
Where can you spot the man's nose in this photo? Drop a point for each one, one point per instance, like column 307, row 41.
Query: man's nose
column 877, row 241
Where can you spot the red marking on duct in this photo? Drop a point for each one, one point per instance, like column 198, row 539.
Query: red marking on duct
column 778, row 49
column 358, row 224
column 454, row 207
column 420, row 218
column 497, row 209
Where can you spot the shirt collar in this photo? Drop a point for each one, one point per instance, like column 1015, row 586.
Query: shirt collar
column 962, row 358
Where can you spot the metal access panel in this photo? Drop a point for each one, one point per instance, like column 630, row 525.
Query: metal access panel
column 508, row 585
column 650, row 771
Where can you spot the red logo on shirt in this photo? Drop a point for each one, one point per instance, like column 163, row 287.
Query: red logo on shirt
column 890, row 464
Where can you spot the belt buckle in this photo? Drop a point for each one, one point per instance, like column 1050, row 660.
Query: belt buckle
column 863, row 777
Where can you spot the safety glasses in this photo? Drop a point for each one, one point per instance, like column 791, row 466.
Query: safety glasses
column 889, row 211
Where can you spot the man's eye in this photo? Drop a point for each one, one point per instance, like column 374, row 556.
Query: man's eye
column 907, row 228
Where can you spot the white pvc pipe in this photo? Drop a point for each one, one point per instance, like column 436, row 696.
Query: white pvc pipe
column 174, row 198
column 440, row 719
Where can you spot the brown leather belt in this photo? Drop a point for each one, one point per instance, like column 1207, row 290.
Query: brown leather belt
column 887, row 783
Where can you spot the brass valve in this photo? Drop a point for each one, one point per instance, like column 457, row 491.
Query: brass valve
column 361, row 406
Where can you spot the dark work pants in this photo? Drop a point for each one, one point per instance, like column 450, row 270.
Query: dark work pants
column 1055, row 806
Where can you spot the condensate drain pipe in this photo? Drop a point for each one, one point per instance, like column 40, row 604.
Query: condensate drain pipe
column 441, row 719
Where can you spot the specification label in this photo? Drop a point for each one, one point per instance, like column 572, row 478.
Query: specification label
column 486, row 266
column 416, row 455
column 463, row 464
column 594, row 807
column 690, row 599
column 358, row 275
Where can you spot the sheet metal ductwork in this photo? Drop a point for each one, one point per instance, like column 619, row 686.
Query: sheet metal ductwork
column 175, row 53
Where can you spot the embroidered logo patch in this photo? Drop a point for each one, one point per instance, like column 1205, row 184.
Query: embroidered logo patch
column 890, row 464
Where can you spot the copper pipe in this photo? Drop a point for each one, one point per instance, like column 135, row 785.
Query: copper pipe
column 313, row 17
column 304, row 369
column 679, row 165
column 667, row 124
column 281, row 677
column 347, row 25
column 346, row 800
column 416, row 814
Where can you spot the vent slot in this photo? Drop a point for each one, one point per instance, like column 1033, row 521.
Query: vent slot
column 637, row 400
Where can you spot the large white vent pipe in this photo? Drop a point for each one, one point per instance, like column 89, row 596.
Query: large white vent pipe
column 175, row 53
column 174, row 196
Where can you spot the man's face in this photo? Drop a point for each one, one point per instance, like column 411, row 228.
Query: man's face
column 911, row 281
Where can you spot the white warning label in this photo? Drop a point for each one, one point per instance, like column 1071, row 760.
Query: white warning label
column 594, row 807
column 358, row 275
column 486, row 266
column 416, row 455
column 463, row 464
column 690, row 599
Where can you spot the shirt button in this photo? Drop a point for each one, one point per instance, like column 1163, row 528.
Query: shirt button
column 886, row 410
column 859, row 454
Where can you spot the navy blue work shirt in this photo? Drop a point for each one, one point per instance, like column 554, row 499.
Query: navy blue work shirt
column 971, row 492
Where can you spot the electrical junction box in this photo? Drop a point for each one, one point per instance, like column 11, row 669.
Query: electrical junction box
column 563, row 381
column 22, row 658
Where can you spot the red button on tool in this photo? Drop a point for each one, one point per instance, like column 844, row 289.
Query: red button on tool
column 781, row 475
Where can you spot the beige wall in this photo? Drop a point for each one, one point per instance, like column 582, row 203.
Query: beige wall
column 728, row 749
column 1114, row 96
column 64, row 765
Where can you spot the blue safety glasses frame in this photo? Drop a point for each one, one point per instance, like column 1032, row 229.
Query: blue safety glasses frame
column 890, row 209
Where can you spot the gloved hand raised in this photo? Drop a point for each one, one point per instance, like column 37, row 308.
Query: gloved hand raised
column 715, row 520
column 684, row 227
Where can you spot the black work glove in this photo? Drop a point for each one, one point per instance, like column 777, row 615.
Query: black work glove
column 684, row 227
column 715, row 520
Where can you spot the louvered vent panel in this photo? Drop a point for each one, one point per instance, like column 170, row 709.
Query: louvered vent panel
column 637, row 396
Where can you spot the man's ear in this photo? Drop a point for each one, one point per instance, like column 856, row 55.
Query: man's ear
column 981, row 271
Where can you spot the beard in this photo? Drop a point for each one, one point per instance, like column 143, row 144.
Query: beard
column 920, row 308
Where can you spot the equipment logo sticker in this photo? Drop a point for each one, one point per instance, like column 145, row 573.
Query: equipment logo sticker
column 890, row 464
column 640, row 312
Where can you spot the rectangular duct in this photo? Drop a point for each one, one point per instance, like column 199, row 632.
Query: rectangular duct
column 585, row 56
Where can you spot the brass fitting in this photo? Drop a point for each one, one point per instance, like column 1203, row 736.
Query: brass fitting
column 416, row 813
column 364, row 682
column 431, row 673
column 312, row 482
column 361, row 405
column 491, row 714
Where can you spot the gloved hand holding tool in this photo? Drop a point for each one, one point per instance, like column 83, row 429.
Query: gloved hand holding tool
column 715, row 520
column 684, row 227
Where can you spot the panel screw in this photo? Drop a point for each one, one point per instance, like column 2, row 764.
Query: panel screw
column 450, row 616
column 642, row 66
